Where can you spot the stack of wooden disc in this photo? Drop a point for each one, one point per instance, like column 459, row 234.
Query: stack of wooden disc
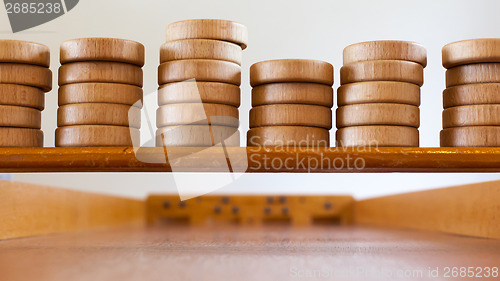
column 100, row 83
column 292, row 101
column 24, row 78
column 471, row 100
column 379, row 96
column 199, row 81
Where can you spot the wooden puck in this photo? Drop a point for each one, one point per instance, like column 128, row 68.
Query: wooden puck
column 102, row 49
column 19, row 95
column 385, row 50
column 21, row 137
column 25, row 74
column 289, row 136
column 16, row 51
column 291, row 70
column 113, row 93
column 200, row 70
column 200, row 49
column 378, row 92
column 473, row 73
column 476, row 136
column 196, row 92
column 378, row 114
column 472, row 94
column 471, row 51
column 197, row 136
column 215, row 29
column 293, row 93
column 378, row 136
column 382, row 70
column 96, row 135
column 197, row 114
column 99, row 72
column 20, row 117
column 291, row 115
column 99, row 114
column 472, row 115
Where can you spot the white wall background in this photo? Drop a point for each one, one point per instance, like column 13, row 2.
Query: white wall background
column 310, row 29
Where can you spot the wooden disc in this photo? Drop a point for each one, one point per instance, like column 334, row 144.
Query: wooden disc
column 197, row 136
column 19, row 95
column 378, row 92
column 378, row 136
column 25, row 74
column 196, row 92
column 293, row 93
column 476, row 136
column 215, row 29
column 16, row 51
column 95, row 72
column 200, row 49
column 291, row 70
column 96, row 135
column 378, row 114
column 473, row 73
column 100, row 93
column 200, row 70
column 197, row 114
column 291, row 115
column 98, row 114
column 472, row 94
column 385, row 50
column 382, row 70
column 471, row 51
column 102, row 49
column 20, row 117
column 21, row 137
column 472, row 115
column 290, row 136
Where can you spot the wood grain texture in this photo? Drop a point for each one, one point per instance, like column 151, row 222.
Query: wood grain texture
column 378, row 114
column 378, row 136
column 21, row 137
column 197, row 136
column 19, row 95
column 215, row 29
column 17, row 51
column 471, row 94
column 475, row 136
column 382, row 70
column 99, row 114
column 102, row 49
column 100, row 72
column 200, row 49
column 293, row 93
column 291, row 70
column 197, row 114
column 472, row 115
column 27, row 75
column 196, row 92
column 112, row 93
column 291, row 115
column 96, row 135
column 385, row 50
column 471, row 51
column 20, row 117
column 473, row 73
column 378, row 92
column 200, row 70
column 290, row 136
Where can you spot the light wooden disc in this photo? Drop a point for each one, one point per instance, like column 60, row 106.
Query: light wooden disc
column 98, row 114
column 16, row 51
column 385, row 50
column 378, row 136
column 196, row 92
column 215, row 29
column 200, row 49
column 19, row 95
column 100, row 93
column 197, row 114
column 472, row 94
column 200, row 70
column 96, row 135
column 293, row 93
column 291, row 115
column 20, row 117
column 291, row 70
column 378, row 92
column 197, row 136
column 471, row 51
column 476, row 136
column 102, row 49
column 473, row 73
column 378, row 114
column 25, row 74
column 472, row 115
column 100, row 72
column 21, row 137
column 289, row 136
column 382, row 70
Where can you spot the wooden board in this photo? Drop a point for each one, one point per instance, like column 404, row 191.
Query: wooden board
column 378, row 92
column 196, row 92
column 385, row 50
column 293, row 93
column 100, row 72
column 21, row 137
column 20, row 117
column 198, row 136
column 17, row 51
column 377, row 136
column 382, row 70
column 200, row 49
column 472, row 115
column 27, row 75
column 100, row 93
column 289, row 136
column 476, row 136
column 291, row 115
column 197, row 114
column 96, row 135
column 199, row 70
column 473, row 73
column 19, row 95
column 378, row 114
column 472, row 94
column 471, row 51
column 99, row 114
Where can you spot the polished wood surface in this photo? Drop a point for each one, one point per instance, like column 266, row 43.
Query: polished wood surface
column 375, row 136
column 17, row 51
column 20, row 95
column 471, row 94
column 291, row 115
column 378, row 114
column 99, row 114
column 293, row 136
column 385, row 50
column 113, row 93
column 293, row 93
column 27, row 75
column 20, row 117
column 471, row 51
column 473, row 73
column 20, row 137
column 477, row 136
column 100, row 72
column 378, row 92
column 201, row 70
column 472, row 115
column 200, row 49
column 96, row 136
column 197, row 114
column 382, row 70
column 197, row 136
column 197, row 92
